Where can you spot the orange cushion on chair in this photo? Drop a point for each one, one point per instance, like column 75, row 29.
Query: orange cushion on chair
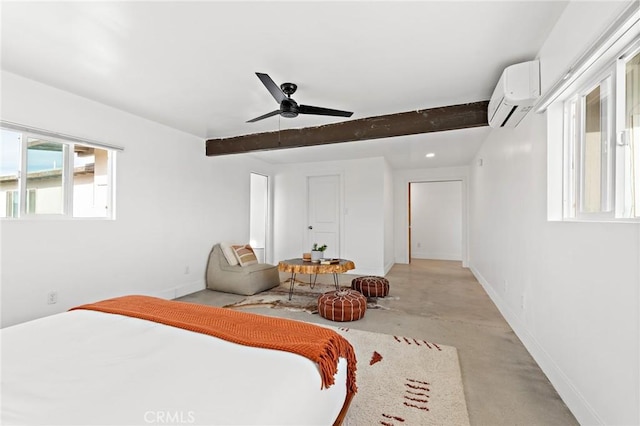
column 342, row 305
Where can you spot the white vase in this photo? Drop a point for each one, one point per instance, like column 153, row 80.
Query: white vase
column 316, row 255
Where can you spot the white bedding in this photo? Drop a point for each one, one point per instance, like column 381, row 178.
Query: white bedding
column 89, row 368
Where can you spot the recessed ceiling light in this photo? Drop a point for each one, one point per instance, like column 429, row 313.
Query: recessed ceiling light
column 430, row 155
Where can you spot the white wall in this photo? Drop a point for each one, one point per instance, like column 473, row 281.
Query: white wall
column 436, row 220
column 362, row 227
column 173, row 204
column 402, row 178
column 569, row 290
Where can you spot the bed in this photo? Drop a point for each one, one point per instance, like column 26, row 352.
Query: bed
column 93, row 366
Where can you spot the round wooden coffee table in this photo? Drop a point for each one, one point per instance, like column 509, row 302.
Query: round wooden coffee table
column 299, row 266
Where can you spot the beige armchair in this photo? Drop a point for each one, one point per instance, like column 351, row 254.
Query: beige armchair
column 245, row 280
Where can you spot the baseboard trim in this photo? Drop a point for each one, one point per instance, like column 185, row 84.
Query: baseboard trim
column 436, row 256
column 575, row 401
column 189, row 288
column 180, row 290
column 388, row 267
column 363, row 271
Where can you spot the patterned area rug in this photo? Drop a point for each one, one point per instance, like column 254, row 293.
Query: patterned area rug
column 401, row 380
column 404, row 381
column 304, row 298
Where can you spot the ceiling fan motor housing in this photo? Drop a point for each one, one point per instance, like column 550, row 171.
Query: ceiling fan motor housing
column 288, row 108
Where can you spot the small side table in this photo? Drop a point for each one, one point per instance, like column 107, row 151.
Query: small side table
column 299, row 266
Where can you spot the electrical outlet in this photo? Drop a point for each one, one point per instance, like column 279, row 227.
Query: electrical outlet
column 52, row 297
column 522, row 302
column 186, row 270
column 505, row 286
column 419, row 245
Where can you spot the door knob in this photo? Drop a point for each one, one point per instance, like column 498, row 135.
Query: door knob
column 310, row 227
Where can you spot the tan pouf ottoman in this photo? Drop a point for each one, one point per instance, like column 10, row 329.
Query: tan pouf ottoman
column 371, row 286
column 342, row 305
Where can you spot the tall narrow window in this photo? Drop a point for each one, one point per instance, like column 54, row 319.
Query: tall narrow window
column 632, row 131
column 45, row 168
column 9, row 172
column 90, row 181
column 596, row 150
column 259, row 214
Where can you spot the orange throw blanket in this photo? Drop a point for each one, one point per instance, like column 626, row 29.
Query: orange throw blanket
column 319, row 344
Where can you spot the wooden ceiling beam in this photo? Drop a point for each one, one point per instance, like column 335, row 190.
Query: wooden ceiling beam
column 438, row 119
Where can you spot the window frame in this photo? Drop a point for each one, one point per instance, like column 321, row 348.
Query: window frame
column 625, row 205
column 615, row 199
column 69, row 144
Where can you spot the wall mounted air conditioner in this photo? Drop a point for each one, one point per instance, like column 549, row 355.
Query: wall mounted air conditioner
column 515, row 94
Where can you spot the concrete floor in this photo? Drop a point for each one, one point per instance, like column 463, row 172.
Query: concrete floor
column 442, row 302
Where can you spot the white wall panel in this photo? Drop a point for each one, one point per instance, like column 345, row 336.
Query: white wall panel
column 569, row 290
column 362, row 230
column 173, row 204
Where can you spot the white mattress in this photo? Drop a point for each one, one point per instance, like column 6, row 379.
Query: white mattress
column 88, row 368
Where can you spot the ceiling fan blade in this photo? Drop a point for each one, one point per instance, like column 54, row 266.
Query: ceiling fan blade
column 267, row 115
column 307, row 109
column 272, row 87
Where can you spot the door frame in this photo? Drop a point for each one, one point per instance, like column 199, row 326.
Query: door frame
column 409, row 222
column 341, row 209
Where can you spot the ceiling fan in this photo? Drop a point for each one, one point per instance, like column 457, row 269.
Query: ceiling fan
column 288, row 107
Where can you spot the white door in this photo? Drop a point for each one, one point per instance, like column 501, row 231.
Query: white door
column 324, row 213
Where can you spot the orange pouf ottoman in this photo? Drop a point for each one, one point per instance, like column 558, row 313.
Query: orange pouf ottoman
column 342, row 305
column 371, row 286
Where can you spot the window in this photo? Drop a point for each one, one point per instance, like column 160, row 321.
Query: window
column 631, row 135
column 9, row 166
column 259, row 215
column 62, row 177
column 602, row 131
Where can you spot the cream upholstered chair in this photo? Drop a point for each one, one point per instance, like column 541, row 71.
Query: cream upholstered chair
column 245, row 280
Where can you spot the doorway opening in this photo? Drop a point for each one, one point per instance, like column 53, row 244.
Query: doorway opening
column 436, row 220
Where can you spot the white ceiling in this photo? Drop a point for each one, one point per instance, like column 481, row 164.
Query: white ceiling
column 191, row 65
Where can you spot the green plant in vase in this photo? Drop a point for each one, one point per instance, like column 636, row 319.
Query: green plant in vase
column 317, row 252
